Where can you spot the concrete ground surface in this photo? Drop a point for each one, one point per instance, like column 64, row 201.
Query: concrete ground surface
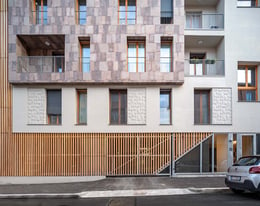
column 117, row 187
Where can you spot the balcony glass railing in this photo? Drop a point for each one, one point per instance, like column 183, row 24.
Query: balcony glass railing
column 248, row 3
column 204, row 67
column 40, row 64
column 204, row 21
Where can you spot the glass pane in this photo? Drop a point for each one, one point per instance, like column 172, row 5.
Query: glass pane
column 207, row 155
column 165, row 58
column 205, row 108
column 141, row 50
column 82, row 108
column 85, row 59
column 251, row 77
column 131, row 9
column 199, row 69
column 114, row 115
column 123, row 108
column 122, row 11
column 241, row 77
column 247, row 95
column 258, row 144
column 190, row 162
column 132, row 57
column 165, row 108
column 197, row 107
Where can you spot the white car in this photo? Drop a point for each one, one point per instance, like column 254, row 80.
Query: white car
column 244, row 175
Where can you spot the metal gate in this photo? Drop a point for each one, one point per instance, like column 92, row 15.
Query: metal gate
column 139, row 154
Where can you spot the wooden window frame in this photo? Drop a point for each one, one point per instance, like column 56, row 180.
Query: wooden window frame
column 201, row 106
column 126, row 7
column 80, row 91
column 35, row 14
column 77, row 12
column 169, row 92
column 117, row 91
column 82, row 45
column 137, row 56
column 169, row 42
column 246, row 87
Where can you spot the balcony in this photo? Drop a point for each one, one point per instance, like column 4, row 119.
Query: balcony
column 40, row 64
column 204, row 67
column 197, row 20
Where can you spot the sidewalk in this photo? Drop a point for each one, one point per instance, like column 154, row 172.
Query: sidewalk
column 117, row 186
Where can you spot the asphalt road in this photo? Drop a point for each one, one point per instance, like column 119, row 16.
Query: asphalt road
column 224, row 199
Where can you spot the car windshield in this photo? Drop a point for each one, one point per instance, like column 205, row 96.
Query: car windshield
column 247, row 161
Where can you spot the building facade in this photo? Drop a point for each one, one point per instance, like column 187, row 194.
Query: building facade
column 128, row 87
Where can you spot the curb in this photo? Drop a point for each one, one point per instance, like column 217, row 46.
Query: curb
column 116, row 193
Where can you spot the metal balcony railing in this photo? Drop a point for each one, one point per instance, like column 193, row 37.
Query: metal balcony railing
column 84, row 64
column 40, row 64
column 204, row 21
column 248, row 3
column 204, row 67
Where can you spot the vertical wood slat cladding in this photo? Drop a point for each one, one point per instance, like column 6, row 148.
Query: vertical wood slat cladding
column 7, row 159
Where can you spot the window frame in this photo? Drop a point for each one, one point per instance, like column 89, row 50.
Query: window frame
column 246, row 87
column 169, row 93
column 36, row 12
column 81, row 91
column 84, row 44
column 167, row 42
column 136, row 42
column 257, row 4
column 78, row 15
column 126, row 12
column 119, row 92
column 57, row 116
column 200, row 92
column 162, row 11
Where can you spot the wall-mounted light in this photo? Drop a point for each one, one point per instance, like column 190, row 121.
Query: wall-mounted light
column 47, row 43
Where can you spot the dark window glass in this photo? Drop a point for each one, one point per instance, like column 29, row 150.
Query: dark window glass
column 82, row 107
column 118, row 107
column 258, row 144
column 54, row 106
column 166, row 11
column 202, row 107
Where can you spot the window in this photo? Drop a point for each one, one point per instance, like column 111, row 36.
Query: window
column 247, row 83
column 84, row 55
column 40, row 11
column 81, row 106
column 165, row 107
column 136, row 56
column 193, row 20
column 248, row 3
column 197, row 66
column 118, row 107
column 166, row 61
column 81, row 12
column 202, row 107
column 166, row 11
column 54, row 106
column 127, row 12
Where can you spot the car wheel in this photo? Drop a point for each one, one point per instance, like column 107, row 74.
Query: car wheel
column 237, row 191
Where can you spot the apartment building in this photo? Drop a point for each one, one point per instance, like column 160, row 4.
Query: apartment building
column 128, row 87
